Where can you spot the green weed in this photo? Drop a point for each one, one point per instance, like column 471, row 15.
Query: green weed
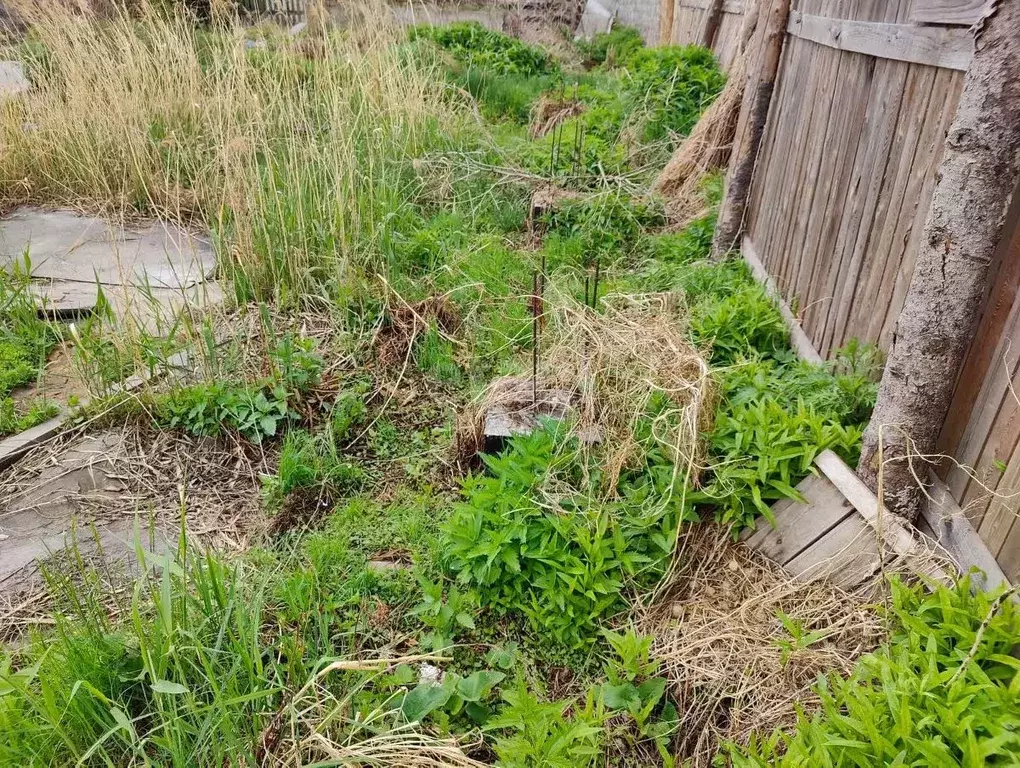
column 941, row 692
column 563, row 562
column 611, row 49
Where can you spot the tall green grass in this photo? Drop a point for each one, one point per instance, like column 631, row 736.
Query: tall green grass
column 295, row 152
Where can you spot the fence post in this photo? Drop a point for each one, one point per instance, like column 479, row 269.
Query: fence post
column 666, row 10
column 761, row 81
column 712, row 20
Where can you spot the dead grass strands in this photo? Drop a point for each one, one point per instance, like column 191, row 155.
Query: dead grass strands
column 733, row 666
column 549, row 112
column 318, row 727
column 626, row 361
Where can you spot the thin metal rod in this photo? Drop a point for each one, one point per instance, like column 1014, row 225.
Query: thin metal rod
column 534, row 339
column 595, row 288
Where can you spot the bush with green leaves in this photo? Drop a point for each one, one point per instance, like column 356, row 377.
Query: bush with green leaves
column 943, row 691
column 477, row 46
column 255, row 410
column 536, row 734
column 670, row 87
column 532, row 538
column 611, row 49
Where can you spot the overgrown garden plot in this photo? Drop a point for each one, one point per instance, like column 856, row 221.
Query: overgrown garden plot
column 408, row 604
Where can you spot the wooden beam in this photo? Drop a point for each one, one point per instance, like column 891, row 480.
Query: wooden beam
column 954, row 533
column 666, row 8
column 965, row 12
column 801, row 343
column 712, row 21
column 728, row 6
column 767, row 36
column 936, row 46
column 889, row 527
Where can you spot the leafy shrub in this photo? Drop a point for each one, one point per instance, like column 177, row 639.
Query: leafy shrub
column 256, row 411
column 634, row 687
column 606, row 225
column 477, row 46
column 760, row 451
column 613, row 48
column 537, row 734
column 942, row 692
column 670, row 88
column 562, row 561
column 732, row 325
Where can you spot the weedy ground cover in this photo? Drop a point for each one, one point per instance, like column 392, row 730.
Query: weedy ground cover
column 25, row 342
column 407, row 604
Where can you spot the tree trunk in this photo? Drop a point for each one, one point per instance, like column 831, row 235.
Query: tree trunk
column 974, row 184
column 712, row 21
column 761, row 81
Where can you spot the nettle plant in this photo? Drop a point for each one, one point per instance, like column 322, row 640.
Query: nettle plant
column 256, row 411
column 535, row 537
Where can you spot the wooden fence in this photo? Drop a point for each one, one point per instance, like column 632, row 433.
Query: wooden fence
column 865, row 94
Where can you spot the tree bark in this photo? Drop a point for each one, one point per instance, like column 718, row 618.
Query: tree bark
column 761, row 81
column 712, row 21
column 974, row 185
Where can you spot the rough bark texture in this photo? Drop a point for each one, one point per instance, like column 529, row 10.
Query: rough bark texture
column 712, row 22
column 974, row 184
column 761, row 82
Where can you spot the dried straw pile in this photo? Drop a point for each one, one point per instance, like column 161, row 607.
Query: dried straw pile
column 720, row 640
column 613, row 363
column 549, row 112
column 319, row 727
column 708, row 146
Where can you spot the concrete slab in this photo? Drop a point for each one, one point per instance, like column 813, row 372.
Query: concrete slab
column 12, row 78
column 36, row 520
column 71, row 249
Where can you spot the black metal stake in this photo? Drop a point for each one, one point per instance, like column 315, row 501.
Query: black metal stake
column 595, row 288
column 534, row 339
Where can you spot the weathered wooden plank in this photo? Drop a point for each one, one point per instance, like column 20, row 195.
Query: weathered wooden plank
column 858, row 74
column 833, row 176
column 952, row 531
column 946, row 91
column 846, row 556
column 819, row 179
column 799, row 181
column 964, row 12
column 801, row 343
column 728, row 6
column 883, row 114
column 1003, row 506
column 916, row 117
column 890, row 529
column 800, row 524
column 791, row 117
column 940, row 47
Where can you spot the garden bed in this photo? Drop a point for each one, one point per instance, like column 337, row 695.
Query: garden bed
column 400, row 597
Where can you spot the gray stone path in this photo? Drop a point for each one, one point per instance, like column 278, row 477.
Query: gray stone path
column 73, row 255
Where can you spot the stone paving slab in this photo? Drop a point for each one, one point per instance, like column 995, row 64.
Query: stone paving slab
column 12, row 78
column 68, row 248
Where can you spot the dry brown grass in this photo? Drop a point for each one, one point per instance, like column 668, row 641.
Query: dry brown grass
column 549, row 111
column 320, row 727
column 720, row 640
column 614, row 363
